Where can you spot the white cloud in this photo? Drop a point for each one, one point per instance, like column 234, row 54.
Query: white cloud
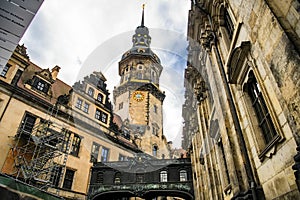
column 66, row 33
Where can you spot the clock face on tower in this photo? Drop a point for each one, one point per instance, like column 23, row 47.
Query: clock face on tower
column 138, row 96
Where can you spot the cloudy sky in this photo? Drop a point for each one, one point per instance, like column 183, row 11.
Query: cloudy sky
column 91, row 35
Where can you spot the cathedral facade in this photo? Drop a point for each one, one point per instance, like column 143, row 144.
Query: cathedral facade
column 241, row 114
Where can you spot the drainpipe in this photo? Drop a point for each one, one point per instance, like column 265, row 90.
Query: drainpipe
column 237, row 126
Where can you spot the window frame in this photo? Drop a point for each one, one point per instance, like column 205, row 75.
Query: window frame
column 75, row 146
column 95, row 152
column 183, row 176
column 163, row 176
column 91, row 92
column 79, row 105
column 155, row 150
column 104, row 154
column 100, row 97
column 5, row 70
column 262, row 146
column 86, row 107
column 68, row 182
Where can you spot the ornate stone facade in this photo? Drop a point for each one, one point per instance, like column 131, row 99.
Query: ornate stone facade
column 243, row 88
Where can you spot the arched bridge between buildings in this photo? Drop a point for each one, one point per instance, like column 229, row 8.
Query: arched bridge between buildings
column 142, row 177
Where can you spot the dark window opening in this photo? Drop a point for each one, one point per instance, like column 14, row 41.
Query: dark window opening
column 28, row 123
column 68, row 181
column 90, row 92
column 40, row 85
column 86, row 107
column 75, row 145
column 122, row 157
column 155, row 108
column 100, row 97
column 154, row 150
column 126, row 134
column 117, row 178
column 5, row 70
column 120, row 105
column 17, row 77
column 104, row 154
column 228, row 24
column 225, row 161
column 79, row 103
column 261, row 110
column 102, row 116
column 95, row 152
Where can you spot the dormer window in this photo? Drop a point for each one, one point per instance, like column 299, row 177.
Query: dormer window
column 90, row 92
column 100, row 97
column 40, row 85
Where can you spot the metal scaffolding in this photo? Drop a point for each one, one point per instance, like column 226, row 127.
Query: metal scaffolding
column 41, row 151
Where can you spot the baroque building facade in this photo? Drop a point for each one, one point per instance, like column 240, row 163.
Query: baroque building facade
column 241, row 113
column 52, row 133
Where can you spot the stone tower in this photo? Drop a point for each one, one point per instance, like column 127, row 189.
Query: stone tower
column 138, row 99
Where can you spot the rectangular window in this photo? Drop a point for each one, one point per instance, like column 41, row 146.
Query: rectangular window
column 163, row 176
column 261, row 110
column 228, row 24
column 90, row 92
column 122, row 157
column 97, row 114
column 68, row 181
column 95, row 152
column 5, row 70
column 104, row 117
column 79, row 103
column 104, row 154
column 75, row 145
column 66, row 142
column 182, row 175
column 126, row 134
column 100, row 97
column 17, row 77
column 28, row 123
column 86, row 107
column 120, row 105
column 155, row 108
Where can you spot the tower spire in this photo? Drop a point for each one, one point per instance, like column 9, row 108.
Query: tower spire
column 142, row 23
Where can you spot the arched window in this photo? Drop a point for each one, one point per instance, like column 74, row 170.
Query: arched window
column 90, row 92
column 163, row 176
column 117, row 178
column 259, row 105
column 182, row 175
column 100, row 97
column 154, row 150
column 99, row 178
